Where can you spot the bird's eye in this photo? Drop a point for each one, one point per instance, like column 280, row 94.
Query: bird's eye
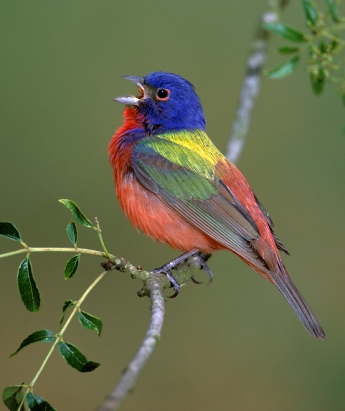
column 163, row 94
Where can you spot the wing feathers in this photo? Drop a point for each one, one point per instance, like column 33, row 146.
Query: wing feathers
column 220, row 229
column 206, row 203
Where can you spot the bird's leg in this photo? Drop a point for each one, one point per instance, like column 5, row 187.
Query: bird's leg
column 174, row 263
column 167, row 268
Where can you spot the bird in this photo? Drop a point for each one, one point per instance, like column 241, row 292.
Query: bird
column 175, row 186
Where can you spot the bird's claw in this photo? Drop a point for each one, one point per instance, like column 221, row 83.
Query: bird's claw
column 174, row 284
column 202, row 258
column 195, row 281
column 166, row 270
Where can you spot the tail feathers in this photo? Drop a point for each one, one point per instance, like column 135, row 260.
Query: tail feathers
column 297, row 303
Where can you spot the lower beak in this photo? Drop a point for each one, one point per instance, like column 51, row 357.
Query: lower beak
column 129, row 100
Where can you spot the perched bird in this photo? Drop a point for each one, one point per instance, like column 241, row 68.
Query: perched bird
column 177, row 187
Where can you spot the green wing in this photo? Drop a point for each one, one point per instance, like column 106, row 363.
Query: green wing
column 187, row 183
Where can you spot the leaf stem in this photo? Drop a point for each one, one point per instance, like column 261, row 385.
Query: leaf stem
column 332, row 37
column 44, row 362
column 80, row 301
column 99, row 232
column 21, row 405
column 29, row 250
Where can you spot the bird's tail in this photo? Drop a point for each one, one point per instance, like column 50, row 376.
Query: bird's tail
column 285, row 285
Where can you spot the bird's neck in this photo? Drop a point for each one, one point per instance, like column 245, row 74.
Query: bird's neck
column 125, row 137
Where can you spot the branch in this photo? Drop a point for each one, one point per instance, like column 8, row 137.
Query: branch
column 29, row 250
column 251, row 83
column 153, row 288
column 128, row 380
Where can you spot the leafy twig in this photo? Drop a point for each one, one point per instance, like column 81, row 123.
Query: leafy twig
column 58, row 337
column 251, row 83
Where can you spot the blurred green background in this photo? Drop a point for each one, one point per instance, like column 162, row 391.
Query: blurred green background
column 235, row 344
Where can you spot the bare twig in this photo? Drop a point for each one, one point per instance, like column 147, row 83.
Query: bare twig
column 251, row 83
column 131, row 373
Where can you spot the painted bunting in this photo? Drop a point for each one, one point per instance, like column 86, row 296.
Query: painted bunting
column 177, row 187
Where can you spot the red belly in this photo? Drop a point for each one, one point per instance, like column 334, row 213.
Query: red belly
column 150, row 215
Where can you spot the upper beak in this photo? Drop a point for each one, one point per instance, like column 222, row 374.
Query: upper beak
column 129, row 99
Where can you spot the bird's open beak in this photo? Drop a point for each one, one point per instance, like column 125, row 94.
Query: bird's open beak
column 129, row 99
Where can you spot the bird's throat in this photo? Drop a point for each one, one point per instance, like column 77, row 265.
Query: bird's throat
column 132, row 120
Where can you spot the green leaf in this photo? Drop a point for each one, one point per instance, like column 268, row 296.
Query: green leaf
column 311, row 14
column 67, row 304
column 75, row 358
column 27, row 286
column 332, row 7
column 8, row 230
column 12, row 397
column 71, row 266
column 322, row 46
column 285, row 32
column 72, row 233
column 288, row 50
column 283, row 69
column 333, row 45
column 78, row 215
column 318, row 81
column 36, row 403
column 90, row 322
column 38, row 336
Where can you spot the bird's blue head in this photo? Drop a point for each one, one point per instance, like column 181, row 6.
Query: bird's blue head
column 166, row 102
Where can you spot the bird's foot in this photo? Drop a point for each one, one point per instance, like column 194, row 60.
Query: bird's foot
column 202, row 258
column 167, row 268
